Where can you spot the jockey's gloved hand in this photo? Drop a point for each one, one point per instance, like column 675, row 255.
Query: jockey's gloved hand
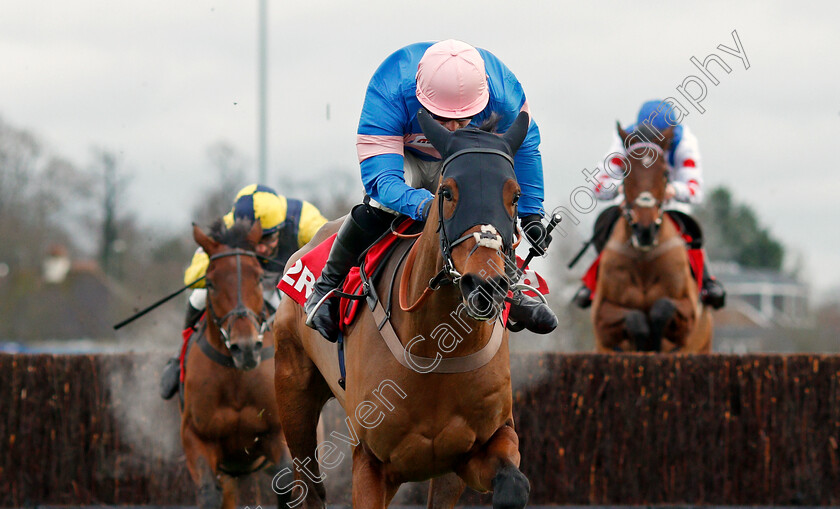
column 535, row 231
column 426, row 207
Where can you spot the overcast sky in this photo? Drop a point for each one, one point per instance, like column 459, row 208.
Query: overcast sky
column 160, row 81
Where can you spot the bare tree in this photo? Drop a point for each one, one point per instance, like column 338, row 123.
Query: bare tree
column 43, row 199
column 218, row 191
column 334, row 192
column 114, row 186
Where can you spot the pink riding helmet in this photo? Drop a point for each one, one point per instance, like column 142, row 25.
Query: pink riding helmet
column 451, row 81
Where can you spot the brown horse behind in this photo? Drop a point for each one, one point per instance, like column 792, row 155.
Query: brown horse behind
column 229, row 422
column 646, row 298
column 412, row 414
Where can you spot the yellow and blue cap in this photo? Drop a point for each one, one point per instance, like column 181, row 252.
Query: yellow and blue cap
column 259, row 202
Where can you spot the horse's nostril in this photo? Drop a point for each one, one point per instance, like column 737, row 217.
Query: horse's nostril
column 469, row 284
column 502, row 285
column 234, row 348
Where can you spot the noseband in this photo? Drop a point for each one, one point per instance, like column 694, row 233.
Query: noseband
column 241, row 310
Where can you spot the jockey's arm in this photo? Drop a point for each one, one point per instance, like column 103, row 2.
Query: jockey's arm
column 508, row 100
column 610, row 174
column 529, row 173
column 380, row 144
column 687, row 173
column 198, row 267
column 384, row 180
column 310, row 222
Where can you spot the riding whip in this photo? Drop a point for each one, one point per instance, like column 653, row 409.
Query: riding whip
column 580, row 253
column 533, row 252
column 155, row 305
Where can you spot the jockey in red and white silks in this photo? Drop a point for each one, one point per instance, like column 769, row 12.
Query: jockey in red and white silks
column 684, row 189
column 685, row 173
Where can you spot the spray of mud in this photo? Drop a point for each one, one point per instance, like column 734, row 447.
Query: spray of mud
column 150, row 425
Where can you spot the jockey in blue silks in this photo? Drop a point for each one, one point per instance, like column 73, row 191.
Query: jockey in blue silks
column 459, row 85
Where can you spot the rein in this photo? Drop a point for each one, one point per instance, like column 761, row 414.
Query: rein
column 448, row 274
column 402, row 353
column 409, row 264
column 241, row 310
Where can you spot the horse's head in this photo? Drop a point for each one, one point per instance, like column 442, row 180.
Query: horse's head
column 475, row 209
column 234, row 291
column 646, row 176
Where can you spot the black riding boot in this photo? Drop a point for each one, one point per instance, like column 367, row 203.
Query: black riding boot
column 712, row 293
column 532, row 314
column 362, row 227
column 171, row 375
column 583, row 297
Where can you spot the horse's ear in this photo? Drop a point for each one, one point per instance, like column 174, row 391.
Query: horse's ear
column 517, row 132
column 668, row 135
column 207, row 244
column 437, row 135
column 621, row 132
column 255, row 233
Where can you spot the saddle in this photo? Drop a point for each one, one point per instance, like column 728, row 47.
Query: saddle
column 297, row 282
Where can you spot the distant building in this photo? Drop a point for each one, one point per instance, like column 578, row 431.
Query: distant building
column 66, row 300
column 758, row 301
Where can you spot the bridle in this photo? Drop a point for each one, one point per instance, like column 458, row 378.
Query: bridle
column 241, row 310
column 488, row 236
column 645, row 200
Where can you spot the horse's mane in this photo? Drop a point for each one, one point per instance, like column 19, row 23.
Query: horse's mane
column 236, row 236
column 491, row 123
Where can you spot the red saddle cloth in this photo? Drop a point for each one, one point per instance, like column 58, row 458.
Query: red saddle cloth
column 298, row 281
column 695, row 260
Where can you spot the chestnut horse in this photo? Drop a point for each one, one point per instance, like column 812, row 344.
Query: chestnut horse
column 434, row 400
column 646, row 298
column 229, row 421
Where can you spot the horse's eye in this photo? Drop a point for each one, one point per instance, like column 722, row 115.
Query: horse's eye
column 446, row 193
column 516, row 198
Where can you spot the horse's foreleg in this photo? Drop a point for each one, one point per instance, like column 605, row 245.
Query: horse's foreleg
column 281, row 466
column 445, row 491
column 202, row 460
column 615, row 324
column 229, row 489
column 673, row 319
column 370, row 487
column 496, row 467
column 301, row 393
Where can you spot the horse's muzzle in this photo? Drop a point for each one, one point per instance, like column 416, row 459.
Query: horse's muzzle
column 644, row 237
column 484, row 298
column 246, row 354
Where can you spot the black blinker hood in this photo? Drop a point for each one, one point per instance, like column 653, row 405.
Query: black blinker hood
column 480, row 174
column 480, row 163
